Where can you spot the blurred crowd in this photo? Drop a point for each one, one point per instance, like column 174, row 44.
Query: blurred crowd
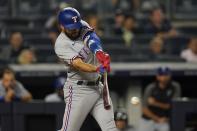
column 156, row 100
column 130, row 31
column 142, row 29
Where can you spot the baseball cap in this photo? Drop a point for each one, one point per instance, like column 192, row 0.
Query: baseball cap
column 163, row 71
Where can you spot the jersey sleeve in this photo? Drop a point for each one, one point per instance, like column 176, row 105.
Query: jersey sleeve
column 20, row 90
column 147, row 94
column 177, row 90
column 90, row 38
column 65, row 53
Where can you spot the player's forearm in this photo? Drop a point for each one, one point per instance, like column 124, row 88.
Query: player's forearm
column 26, row 98
column 161, row 105
column 150, row 114
column 8, row 98
column 82, row 66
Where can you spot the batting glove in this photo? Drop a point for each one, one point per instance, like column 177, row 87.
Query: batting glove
column 101, row 69
column 102, row 57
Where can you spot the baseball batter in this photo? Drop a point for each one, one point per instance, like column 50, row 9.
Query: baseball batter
column 80, row 49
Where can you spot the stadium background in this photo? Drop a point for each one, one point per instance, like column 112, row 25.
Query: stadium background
column 132, row 68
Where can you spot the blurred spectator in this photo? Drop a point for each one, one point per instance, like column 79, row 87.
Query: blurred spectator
column 12, row 51
column 159, row 25
column 94, row 22
column 58, row 95
column 127, row 5
column 51, row 25
column 52, row 28
column 121, row 120
column 128, row 29
column 52, row 35
column 190, row 54
column 87, row 5
column 27, row 56
column 11, row 89
column 157, row 98
column 51, row 22
column 119, row 20
column 156, row 47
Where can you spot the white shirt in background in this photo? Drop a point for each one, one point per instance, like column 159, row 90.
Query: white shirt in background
column 188, row 55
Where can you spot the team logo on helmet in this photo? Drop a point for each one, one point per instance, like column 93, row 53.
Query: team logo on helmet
column 74, row 19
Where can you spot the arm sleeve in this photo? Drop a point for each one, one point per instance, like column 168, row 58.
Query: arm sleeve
column 92, row 41
column 21, row 91
column 65, row 54
column 147, row 94
column 177, row 91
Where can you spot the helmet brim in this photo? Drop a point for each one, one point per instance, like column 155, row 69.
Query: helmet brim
column 77, row 25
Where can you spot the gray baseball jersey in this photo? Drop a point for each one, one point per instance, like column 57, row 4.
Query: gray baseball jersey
column 81, row 99
column 67, row 50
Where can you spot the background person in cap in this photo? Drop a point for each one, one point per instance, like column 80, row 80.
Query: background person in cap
column 157, row 98
column 121, row 120
column 58, row 95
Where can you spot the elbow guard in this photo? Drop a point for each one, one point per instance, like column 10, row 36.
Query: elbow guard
column 93, row 42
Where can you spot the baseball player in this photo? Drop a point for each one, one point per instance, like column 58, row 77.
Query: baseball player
column 80, row 49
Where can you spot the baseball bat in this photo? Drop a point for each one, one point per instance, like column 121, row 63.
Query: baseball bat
column 106, row 96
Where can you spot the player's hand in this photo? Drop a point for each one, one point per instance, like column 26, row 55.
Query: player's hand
column 103, row 57
column 10, row 95
column 101, row 69
column 162, row 120
column 151, row 100
column 107, row 67
column 107, row 63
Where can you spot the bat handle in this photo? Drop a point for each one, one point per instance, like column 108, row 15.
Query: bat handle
column 107, row 102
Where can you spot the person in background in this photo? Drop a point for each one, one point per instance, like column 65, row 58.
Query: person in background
column 121, row 120
column 119, row 20
column 190, row 54
column 157, row 98
column 156, row 48
column 128, row 29
column 53, row 34
column 51, row 24
column 27, row 56
column 94, row 22
column 159, row 25
column 11, row 52
column 58, row 95
column 11, row 89
column 127, row 5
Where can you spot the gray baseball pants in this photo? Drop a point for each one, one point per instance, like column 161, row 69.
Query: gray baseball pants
column 80, row 101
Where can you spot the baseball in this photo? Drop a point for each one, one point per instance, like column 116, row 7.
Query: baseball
column 135, row 100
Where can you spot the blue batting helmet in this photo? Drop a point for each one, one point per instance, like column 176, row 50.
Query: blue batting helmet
column 69, row 18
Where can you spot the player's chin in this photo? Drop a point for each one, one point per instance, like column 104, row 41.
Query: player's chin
column 74, row 36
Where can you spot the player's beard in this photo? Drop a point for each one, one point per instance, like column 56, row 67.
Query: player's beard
column 72, row 34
